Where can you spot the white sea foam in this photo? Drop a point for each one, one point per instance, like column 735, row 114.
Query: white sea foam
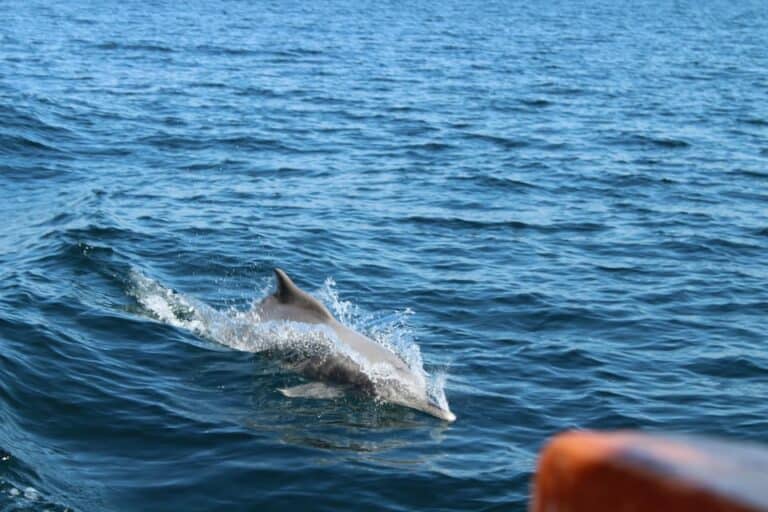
column 242, row 330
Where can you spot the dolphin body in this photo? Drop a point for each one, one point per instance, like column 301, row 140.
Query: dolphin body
column 334, row 370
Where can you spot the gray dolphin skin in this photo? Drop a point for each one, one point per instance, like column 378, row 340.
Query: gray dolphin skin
column 335, row 371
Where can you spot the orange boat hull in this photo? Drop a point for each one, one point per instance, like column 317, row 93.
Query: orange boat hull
column 632, row 472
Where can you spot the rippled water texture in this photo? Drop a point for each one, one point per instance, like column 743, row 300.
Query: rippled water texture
column 560, row 207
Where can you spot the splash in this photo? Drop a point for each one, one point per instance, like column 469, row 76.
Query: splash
column 242, row 330
column 391, row 331
column 18, row 497
column 171, row 307
column 436, row 389
column 231, row 328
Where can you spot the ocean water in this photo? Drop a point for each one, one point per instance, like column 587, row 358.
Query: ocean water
column 559, row 210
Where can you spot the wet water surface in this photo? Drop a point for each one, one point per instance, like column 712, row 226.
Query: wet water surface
column 559, row 212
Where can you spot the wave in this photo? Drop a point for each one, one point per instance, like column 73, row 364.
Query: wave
column 140, row 46
column 26, row 146
column 462, row 223
column 643, row 140
column 24, row 134
column 503, row 142
column 494, row 182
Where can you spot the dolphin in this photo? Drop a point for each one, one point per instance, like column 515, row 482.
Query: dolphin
column 336, row 370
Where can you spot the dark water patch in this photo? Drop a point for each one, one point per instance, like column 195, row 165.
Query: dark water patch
column 729, row 367
column 755, row 121
column 57, row 219
column 18, row 145
column 24, row 136
column 174, row 142
column 624, row 270
column 403, row 109
column 502, row 142
column 284, row 172
column 430, row 147
column 495, row 183
column 751, row 173
column 174, row 121
column 462, row 223
column 647, row 141
column 300, row 52
column 573, row 358
column 536, row 102
column 561, row 90
column 648, row 160
column 414, row 129
column 209, row 85
column 228, row 164
column 222, row 50
column 8, row 39
column 755, row 195
column 456, row 222
column 719, row 307
column 84, row 21
column 688, row 247
column 507, row 107
column 640, row 180
column 237, row 51
column 137, row 47
column 731, row 245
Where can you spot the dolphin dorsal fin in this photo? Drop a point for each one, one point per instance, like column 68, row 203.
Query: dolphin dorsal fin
column 288, row 293
column 286, row 288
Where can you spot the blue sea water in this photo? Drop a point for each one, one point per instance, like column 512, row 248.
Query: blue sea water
column 562, row 207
